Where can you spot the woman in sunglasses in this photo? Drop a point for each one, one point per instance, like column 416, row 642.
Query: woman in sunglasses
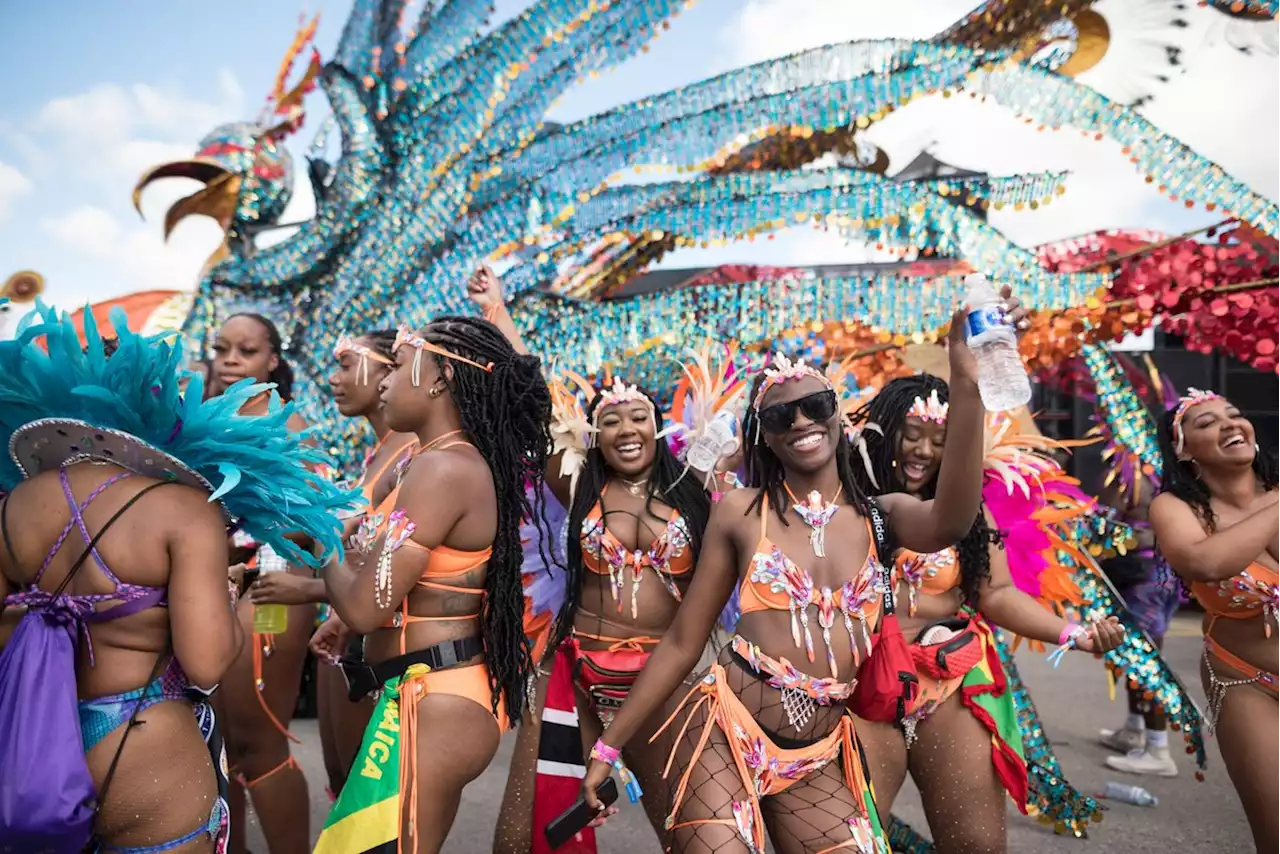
column 766, row 741
column 634, row 532
column 961, row 732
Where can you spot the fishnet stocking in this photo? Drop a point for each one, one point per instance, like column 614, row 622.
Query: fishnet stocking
column 811, row 816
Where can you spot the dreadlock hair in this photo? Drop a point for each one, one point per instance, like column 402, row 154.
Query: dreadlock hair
column 888, row 409
column 1179, row 476
column 282, row 376
column 668, row 483
column 506, row 414
column 764, row 470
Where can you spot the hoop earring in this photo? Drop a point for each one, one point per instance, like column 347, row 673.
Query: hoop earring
column 1196, row 468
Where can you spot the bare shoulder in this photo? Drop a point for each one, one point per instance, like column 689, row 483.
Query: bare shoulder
column 735, row 503
column 187, row 505
column 1166, row 503
column 455, row 469
column 297, row 424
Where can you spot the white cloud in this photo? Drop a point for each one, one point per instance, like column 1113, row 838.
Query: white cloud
column 1209, row 108
column 112, row 133
column 13, row 185
column 94, row 145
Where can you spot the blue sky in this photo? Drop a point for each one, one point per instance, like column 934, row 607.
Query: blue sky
column 93, row 93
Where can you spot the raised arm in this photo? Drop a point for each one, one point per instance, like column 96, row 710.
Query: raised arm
column 682, row 645
column 485, row 289
column 206, row 634
column 930, row 526
column 431, row 499
column 1199, row 556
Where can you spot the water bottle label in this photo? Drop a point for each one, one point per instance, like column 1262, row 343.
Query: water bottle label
column 984, row 319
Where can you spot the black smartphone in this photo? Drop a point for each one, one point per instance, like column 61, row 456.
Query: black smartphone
column 567, row 825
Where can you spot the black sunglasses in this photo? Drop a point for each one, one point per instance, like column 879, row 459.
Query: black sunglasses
column 817, row 407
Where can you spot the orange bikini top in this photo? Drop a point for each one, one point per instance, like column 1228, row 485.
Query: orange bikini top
column 442, row 562
column 775, row 582
column 933, row 574
column 1241, row 597
column 668, row 555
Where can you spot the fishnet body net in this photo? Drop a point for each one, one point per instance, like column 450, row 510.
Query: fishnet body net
column 809, row 817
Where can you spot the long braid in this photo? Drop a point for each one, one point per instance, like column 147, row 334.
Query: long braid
column 506, row 413
column 764, row 470
column 666, row 484
column 888, row 410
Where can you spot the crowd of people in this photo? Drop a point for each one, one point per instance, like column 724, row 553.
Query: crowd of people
column 842, row 561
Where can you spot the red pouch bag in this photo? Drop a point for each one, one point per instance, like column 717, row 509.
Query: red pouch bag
column 887, row 681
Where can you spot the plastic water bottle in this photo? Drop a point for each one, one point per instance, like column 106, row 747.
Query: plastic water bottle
column 270, row 619
column 719, row 441
column 1135, row 795
column 1002, row 380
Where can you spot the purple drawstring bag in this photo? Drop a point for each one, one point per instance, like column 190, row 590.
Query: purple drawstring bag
column 47, row 797
column 48, row 802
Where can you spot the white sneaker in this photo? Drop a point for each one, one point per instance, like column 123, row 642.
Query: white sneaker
column 1153, row 762
column 1123, row 740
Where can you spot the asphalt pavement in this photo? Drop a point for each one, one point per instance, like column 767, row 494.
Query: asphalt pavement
column 1073, row 700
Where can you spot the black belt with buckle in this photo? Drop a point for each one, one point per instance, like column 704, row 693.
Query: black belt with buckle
column 363, row 678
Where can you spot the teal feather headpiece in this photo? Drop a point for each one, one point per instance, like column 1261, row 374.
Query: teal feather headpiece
column 60, row 403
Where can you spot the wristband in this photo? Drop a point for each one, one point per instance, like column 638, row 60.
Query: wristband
column 1066, row 641
column 1069, row 632
column 604, row 753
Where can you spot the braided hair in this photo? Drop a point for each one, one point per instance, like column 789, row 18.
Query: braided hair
column 1179, row 476
column 506, row 413
column 282, row 375
column 667, row 483
column 888, row 409
column 764, row 470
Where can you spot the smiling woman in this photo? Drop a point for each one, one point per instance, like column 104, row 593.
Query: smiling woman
column 756, row 750
column 1215, row 522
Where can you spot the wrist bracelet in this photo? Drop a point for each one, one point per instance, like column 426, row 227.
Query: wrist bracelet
column 604, row 753
column 1069, row 633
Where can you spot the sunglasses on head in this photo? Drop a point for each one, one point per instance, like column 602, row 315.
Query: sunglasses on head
column 817, row 407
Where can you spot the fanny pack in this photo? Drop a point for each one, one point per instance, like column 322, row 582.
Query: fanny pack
column 607, row 674
column 947, row 649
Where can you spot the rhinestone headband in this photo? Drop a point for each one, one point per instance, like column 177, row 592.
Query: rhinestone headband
column 932, row 409
column 783, row 370
column 347, row 344
column 1188, row 400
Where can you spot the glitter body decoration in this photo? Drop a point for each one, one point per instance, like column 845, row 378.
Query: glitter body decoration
column 445, row 162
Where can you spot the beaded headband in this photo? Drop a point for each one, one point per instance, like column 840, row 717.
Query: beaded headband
column 405, row 336
column 615, row 393
column 1188, row 400
column 347, row 344
column 932, row 409
column 783, row 370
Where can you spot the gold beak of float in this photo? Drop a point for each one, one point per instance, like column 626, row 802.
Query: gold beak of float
column 216, row 200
